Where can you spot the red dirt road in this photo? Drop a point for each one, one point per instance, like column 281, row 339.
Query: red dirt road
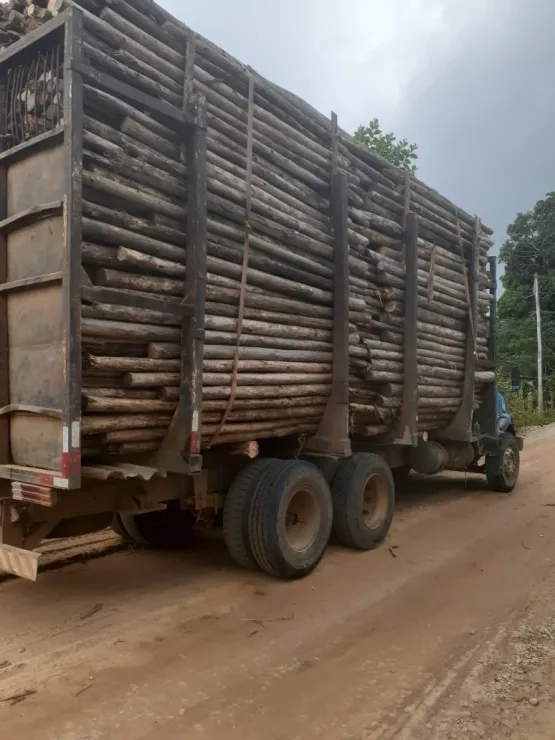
column 447, row 631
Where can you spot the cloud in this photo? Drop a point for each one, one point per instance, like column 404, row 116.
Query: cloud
column 470, row 82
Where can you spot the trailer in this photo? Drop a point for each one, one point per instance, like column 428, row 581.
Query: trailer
column 216, row 307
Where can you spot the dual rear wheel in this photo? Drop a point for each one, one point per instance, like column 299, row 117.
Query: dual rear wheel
column 279, row 515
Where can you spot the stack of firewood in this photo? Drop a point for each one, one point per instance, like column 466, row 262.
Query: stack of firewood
column 18, row 17
column 269, row 162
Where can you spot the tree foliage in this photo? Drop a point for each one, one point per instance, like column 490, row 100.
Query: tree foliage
column 397, row 151
column 529, row 248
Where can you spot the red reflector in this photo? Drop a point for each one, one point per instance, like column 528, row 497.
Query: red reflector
column 74, row 460
column 194, row 443
column 65, row 464
column 31, row 494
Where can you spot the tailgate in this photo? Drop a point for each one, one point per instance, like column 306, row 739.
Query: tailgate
column 40, row 243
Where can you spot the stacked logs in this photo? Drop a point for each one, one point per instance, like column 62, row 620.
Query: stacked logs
column 33, row 89
column 269, row 299
column 19, row 17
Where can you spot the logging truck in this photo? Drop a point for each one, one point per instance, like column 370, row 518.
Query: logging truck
column 218, row 308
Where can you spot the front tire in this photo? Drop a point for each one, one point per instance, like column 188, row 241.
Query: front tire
column 291, row 518
column 363, row 501
column 502, row 470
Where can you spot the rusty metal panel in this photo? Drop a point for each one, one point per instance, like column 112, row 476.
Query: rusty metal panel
column 35, row 334
column 40, row 266
column 39, row 178
column 36, row 249
column 36, row 441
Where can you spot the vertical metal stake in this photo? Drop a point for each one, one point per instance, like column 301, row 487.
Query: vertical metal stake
column 407, row 428
column 332, row 438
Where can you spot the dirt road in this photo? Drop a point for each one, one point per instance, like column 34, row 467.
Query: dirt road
column 447, row 631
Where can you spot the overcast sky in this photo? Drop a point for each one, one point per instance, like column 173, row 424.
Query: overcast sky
column 471, row 81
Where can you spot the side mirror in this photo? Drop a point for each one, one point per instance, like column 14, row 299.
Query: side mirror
column 515, row 379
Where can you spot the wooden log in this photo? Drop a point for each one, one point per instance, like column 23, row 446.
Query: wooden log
column 101, row 405
column 115, row 312
column 266, row 414
column 269, row 266
column 267, row 329
column 268, row 404
column 229, row 311
column 133, row 259
column 105, row 155
column 107, row 102
column 150, row 380
column 134, row 435
column 110, row 139
column 132, row 23
column 142, row 283
column 104, row 182
column 130, row 364
column 118, row 330
column 266, row 391
column 226, row 339
column 258, row 299
column 122, row 70
column 96, row 254
column 128, row 231
column 262, row 366
column 267, row 379
column 442, row 403
column 118, row 392
column 152, row 62
column 288, row 288
column 314, row 260
column 93, row 425
column 142, row 133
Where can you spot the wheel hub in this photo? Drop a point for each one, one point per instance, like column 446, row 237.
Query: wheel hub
column 302, row 520
column 509, row 462
column 374, row 501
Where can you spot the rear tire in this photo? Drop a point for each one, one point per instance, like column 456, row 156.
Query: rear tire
column 502, row 470
column 237, row 508
column 363, row 501
column 291, row 519
column 170, row 529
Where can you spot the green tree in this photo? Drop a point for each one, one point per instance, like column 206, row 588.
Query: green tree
column 529, row 248
column 397, row 151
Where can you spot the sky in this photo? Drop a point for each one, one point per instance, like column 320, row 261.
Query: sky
column 469, row 81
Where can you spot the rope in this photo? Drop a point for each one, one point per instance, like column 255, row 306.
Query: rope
column 245, row 266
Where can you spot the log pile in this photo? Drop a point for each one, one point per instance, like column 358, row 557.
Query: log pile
column 270, row 157
column 19, row 17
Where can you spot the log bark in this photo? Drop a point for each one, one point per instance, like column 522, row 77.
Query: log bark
column 93, row 425
column 100, row 405
column 117, row 330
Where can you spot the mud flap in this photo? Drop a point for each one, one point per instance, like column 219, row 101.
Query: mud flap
column 19, row 562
